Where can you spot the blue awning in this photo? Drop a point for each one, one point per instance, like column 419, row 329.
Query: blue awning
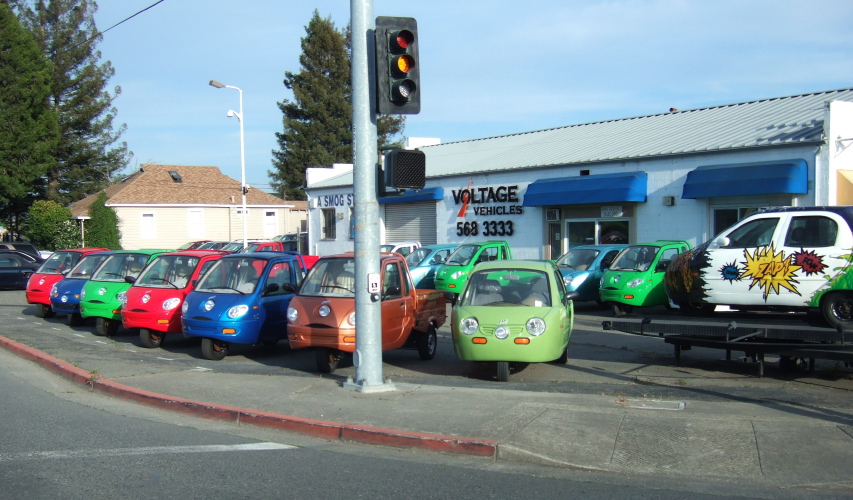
column 603, row 188
column 768, row 177
column 411, row 196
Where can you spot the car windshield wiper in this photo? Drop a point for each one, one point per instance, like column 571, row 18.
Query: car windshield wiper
column 164, row 280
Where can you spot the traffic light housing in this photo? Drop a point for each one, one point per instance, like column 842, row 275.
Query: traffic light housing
column 405, row 169
column 398, row 70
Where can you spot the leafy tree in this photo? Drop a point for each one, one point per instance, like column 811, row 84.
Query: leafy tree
column 28, row 126
column 87, row 155
column 67, row 236
column 102, row 229
column 45, row 220
column 318, row 122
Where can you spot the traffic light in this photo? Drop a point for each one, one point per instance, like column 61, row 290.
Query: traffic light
column 405, row 169
column 397, row 66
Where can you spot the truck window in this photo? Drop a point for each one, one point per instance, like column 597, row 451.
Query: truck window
column 391, row 285
column 756, row 233
column 811, row 232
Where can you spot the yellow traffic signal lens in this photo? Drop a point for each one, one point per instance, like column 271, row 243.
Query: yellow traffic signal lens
column 405, row 63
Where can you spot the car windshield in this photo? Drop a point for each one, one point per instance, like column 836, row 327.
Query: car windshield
column 238, row 275
column 418, row 257
column 233, row 247
column 119, row 265
column 86, row 266
column 168, row 271
column 59, row 263
column 579, row 258
column 635, row 258
column 330, row 278
column 507, row 287
column 463, row 255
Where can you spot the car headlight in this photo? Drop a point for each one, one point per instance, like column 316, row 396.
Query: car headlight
column 170, row 304
column 292, row 314
column 469, row 326
column 41, row 281
column 121, row 297
column 53, row 291
column 237, row 311
column 83, row 294
column 458, row 274
column 567, row 280
column 635, row 283
column 501, row 332
column 351, row 319
column 324, row 310
column 184, row 308
column 536, row 326
column 102, row 291
column 146, row 298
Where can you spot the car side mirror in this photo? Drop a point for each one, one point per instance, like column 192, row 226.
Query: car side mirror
column 722, row 241
column 288, row 287
column 130, row 279
column 271, row 288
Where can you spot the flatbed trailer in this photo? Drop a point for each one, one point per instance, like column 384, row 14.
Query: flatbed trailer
column 789, row 342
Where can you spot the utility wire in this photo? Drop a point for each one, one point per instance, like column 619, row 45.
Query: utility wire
column 122, row 21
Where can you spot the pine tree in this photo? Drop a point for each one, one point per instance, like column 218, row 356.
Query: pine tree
column 102, row 229
column 87, row 155
column 318, row 122
column 28, row 127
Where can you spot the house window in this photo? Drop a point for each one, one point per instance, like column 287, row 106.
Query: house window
column 270, row 224
column 723, row 218
column 328, row 228
column 148, row 227
column 195, row 223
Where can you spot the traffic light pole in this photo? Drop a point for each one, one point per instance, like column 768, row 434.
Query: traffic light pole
column 368, row 337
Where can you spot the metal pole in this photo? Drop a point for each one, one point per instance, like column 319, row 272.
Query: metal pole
column 368, row 337
column 243, row 170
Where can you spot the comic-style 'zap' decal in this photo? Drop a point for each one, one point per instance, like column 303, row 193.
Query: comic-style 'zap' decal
column 770, row 270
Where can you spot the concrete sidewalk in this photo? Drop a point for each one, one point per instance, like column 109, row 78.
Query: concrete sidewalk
column 767, row 444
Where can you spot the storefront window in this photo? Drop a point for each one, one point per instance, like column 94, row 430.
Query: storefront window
column 723, row 218
column 329, row 224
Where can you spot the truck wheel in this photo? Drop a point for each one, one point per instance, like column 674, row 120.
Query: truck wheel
column 327, row 359
column 427, row 344
column 503, row 371
column 150, row 338
column 620, row 309
column 44, row 311
column 106, row 327
column 75, row 319
column 215, row 350
column 837, row 308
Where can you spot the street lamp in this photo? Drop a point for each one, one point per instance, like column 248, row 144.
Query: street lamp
column 239, row 115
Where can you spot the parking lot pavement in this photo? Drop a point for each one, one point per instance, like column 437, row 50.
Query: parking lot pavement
column 691, row 431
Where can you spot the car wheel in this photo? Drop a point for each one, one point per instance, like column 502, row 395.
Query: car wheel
column 150, row 338
column 75, row 319
column 327, row 359
column 503, row 371
column 427, row 343
column 837, row 309
column 106, row 327
column 620, row 309
column 564, row 357
column 44, row 311
column 215, row 350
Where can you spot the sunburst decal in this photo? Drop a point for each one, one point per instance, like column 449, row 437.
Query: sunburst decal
column 771, row 271
column 811, row 262
column 730, row 272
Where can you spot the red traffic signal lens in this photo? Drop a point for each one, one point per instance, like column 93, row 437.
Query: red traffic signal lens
column 401, row 40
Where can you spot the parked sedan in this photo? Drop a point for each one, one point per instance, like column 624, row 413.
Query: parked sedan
column 583, row 266
column 425, row 261
column 16, row 267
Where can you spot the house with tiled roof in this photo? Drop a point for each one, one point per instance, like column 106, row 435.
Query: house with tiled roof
column 165, row 206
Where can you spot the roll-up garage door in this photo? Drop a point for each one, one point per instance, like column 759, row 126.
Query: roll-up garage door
column 410, row 222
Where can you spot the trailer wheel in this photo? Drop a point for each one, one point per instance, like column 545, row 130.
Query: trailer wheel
column 215, row 350
column 327, row 359
column 503, row 371
column 427, row 343
column 837, row 309
column 44, row 311
column 106, row 327
column 150, row 338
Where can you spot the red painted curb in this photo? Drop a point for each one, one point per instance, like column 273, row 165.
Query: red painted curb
column 316, row 428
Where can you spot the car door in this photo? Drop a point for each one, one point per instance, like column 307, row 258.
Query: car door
column 812, row 248
column 396, row 306
column 276, row 293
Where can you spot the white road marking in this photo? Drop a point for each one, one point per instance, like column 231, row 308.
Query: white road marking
column 201, row 369
column 154, row 450
column 165, row 359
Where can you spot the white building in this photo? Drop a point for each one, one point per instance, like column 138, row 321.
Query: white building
column 679, row 175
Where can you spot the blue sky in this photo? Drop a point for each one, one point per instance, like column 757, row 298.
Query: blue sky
column 488, row 67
